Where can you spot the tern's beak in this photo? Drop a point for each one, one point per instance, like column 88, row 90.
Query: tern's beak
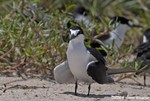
column 72, row 36
column 135, row 25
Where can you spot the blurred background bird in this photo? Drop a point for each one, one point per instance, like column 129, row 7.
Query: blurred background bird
column 143, row 55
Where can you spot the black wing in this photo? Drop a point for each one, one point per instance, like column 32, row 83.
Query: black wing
column 96, row 44
column 96, row 54
column 143, row 48
column 145, row 59
column 97, row 70
column 143, row 55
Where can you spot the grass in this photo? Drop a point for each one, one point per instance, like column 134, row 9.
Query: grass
column 31, row 32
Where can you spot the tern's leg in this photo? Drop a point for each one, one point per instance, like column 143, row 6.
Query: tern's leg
column 89, row 89
column 144, row 79
column 76, row 86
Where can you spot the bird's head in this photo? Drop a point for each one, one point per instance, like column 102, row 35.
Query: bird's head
column 76, row 34
column 80, row 15
column 146, row 37
column 81, row 11
column 124, row 21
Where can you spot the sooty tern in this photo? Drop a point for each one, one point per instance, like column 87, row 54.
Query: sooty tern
column 80, row 15
column 83, row 64
column 121, row 25
column 143, row 54
column 86, row 64
column 93, row 44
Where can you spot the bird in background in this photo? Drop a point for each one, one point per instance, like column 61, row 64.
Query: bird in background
column 143, row 55
column 83, row 63
column 80, row 14
column 115, row 38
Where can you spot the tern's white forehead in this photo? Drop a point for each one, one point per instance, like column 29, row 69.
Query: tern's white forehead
column 74, row 32
column 130, row 23
column 144, row 39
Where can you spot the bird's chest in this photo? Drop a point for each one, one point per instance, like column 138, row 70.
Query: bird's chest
column 78, row 58
column 115, row 39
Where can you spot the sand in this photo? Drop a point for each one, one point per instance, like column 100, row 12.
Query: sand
column 35, row 89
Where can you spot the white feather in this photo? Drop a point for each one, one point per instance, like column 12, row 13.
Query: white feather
column 74, row 32
column 144, row 39
column 78, row 57
column 117, row 36
column 82, row 18
column 62, row 73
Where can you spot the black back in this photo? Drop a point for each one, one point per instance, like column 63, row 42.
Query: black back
column 120, row 19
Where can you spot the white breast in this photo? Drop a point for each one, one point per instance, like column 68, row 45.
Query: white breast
column 62, row 73
column 117, row 36
column 78, row 58
column 83, row 19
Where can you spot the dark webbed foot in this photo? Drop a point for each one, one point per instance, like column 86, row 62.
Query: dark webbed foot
column 76, row 86
column 144, row 79
column 89, row 90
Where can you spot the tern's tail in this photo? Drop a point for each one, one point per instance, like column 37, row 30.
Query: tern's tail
column 119, row 71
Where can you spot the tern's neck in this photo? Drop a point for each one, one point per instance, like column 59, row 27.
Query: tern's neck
column 121, row 29
column 78, row 41
column 82, row 18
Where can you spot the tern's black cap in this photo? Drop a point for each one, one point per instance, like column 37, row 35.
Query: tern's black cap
column 77, row 28
column 123, row 20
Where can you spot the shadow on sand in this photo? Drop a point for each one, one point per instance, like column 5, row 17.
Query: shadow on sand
column 90, row 96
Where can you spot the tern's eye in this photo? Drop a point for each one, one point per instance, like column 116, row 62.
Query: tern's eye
column 78, row 32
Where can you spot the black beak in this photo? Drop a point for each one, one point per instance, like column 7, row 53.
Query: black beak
column 135, row 25
column 72, row 36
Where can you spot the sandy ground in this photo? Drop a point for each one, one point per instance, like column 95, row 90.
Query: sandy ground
column 16, row 89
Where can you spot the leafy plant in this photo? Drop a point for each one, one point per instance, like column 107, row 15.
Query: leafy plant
column 31, row 31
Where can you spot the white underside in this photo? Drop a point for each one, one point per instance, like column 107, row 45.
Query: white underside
column 115, row 41
column 83, row 19
column 116, row 36
column 78, row 58
column 62, row 73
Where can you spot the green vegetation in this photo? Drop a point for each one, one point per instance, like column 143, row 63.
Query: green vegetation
column 31, row 30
